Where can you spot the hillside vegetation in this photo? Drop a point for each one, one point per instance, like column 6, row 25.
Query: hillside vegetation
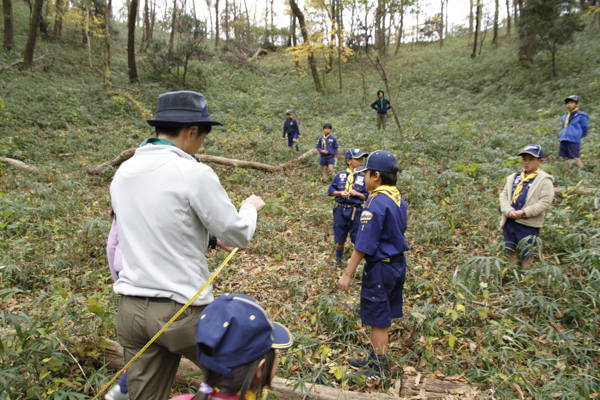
column 466, row 312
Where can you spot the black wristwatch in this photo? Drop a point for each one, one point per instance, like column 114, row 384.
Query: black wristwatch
column 212, row 241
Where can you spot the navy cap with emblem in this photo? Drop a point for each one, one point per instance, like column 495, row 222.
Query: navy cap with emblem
column 288, row 112
column 534, row 150
column 355, row 152
column 380, row 160
column 235, row 330
column 180, row 109
column 572, row 97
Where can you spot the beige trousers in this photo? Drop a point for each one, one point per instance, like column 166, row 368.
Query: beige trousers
column 381, row 120
column 151, row 375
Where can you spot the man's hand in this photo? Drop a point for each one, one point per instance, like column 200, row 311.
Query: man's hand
column 344, row 283
column 228, row 249
column 324, row 152
column 256, row 202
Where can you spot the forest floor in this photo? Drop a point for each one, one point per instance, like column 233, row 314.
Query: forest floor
column 467, row 314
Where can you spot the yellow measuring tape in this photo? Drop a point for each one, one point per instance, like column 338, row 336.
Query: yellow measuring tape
column 213, row 276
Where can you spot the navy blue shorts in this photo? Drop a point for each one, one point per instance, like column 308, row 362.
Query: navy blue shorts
column 520, row 238
column 346, row 221
column 381, row 292
column 569, row 149
column 291, row 139
column 327, row 159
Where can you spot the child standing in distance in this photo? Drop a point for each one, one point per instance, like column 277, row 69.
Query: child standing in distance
column 381, row 105
column 328, row 147
column 349, row 191
column 524, row 201
column 237, row 346
column 574, row 127
column 381, row 242
column 290, row 128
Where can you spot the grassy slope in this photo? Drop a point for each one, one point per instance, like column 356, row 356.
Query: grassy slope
column 464, row 122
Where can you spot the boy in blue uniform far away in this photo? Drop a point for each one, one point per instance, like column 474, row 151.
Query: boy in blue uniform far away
column 381, row 105
column 381, row 242
column 290, row 128
column 574, row 127
column 328, row 148
column 524, row 201
column 349, row 191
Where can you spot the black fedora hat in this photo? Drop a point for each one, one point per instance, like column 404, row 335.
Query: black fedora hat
column 184, row 108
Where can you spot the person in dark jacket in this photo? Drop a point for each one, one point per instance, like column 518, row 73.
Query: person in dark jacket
column 290, row 128
column 574, row 128
column 381, row 105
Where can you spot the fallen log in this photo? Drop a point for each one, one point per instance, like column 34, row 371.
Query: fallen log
column 17, row 163
column 232, row 162
column 582, row 191
column 19, row 63
column 410, row 388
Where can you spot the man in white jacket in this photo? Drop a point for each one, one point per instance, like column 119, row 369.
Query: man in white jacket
column 167, row 204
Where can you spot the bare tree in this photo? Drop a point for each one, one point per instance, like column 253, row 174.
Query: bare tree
column 226, row 23
column 470, row 18
column 311, row 57
column 131, row 21
column 58, row 19
column 107, row 18
column 173, row 24
column 477, row 20
column 442, row 24
column 9, row 27
column 496, row 11
column 217, row 23
column 34, row 25
column 507, row 17
column 381, row 70
column 446, row 30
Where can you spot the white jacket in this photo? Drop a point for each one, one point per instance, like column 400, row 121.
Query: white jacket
column 166, row 204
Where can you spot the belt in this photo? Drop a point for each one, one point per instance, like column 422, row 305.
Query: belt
column 394, row 259
column 348, row 205
column 154, row 299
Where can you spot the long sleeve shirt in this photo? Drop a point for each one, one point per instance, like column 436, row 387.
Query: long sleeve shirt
column 381, row 105
column 290, row 127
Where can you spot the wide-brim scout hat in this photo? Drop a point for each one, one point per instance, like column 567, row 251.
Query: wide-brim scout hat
column 355, row 152
column 180, row 109
column 534, row 150
column 235, row 330
column 572, row 97
column 380, row 160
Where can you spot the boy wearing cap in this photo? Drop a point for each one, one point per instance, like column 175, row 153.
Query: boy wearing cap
column 381, row 105
column 328, row 149
column 524, row 201
column 574, row 128
column 290, row 128
column 166, row 205
column 381, row 242
column 349, row 191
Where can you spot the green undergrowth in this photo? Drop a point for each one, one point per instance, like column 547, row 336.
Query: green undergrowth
column 466, row 311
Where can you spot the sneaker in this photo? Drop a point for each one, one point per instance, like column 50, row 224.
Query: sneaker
column 339, row 262
column 297, row 148
column 358, row 363
column 115, row 394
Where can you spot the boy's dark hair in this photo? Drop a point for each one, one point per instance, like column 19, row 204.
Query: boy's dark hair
column 241, row 379
column 173, row 131
column 380, row 91
column 327, row 125
column 388, row 178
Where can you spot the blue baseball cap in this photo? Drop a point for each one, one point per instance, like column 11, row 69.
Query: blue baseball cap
column 534, row 150
column 288, row 112
column 235, row 330
column 355, row 152
column 572, row 97
column 380, row 160
column 180, row 109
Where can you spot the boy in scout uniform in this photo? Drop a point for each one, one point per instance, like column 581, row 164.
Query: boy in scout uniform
column 290, row 128
column 349, row 191
column 381, row 242
column 328, row 149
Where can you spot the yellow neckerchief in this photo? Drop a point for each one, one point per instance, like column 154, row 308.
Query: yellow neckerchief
column 521, row 185
column 250, row 394
column 324, row 142
column 349, row 180
column 390, row 191
column 569, row 117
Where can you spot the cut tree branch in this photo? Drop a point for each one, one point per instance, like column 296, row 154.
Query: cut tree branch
column 17, row 163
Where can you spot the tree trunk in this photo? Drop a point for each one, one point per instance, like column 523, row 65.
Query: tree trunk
column 153, row 19
column 339, row 39
column 173, row 25
column 442, row 25
column 331, row 37
column 217, row 23
column 496, row 12
column 9, row 27
column 131, row 20
column 226, row 23
column 147, row 25
column 507, row 17
column 446, row 30
column 87, row 34
column 32, row 35
column 470, row 18
column 294, row 37
column 401, row 28
column 107, row 18
column 477, row 19
column 311, row 57
column 58, row 19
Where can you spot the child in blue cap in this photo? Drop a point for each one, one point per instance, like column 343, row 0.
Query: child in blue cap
column 574, row 128
column 349, row 191
column 524, row 201
column 290, row 128
column 328, row 148
column 236, row 344
column 381, row 242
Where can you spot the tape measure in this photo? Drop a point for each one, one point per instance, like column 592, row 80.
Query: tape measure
column 208, row 282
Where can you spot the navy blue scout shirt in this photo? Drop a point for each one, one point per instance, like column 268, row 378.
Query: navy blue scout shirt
column 382, row 227
column 381, row 105
column 518, row 205
column 329, row 144
column 341, row 182
column 291, row 126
